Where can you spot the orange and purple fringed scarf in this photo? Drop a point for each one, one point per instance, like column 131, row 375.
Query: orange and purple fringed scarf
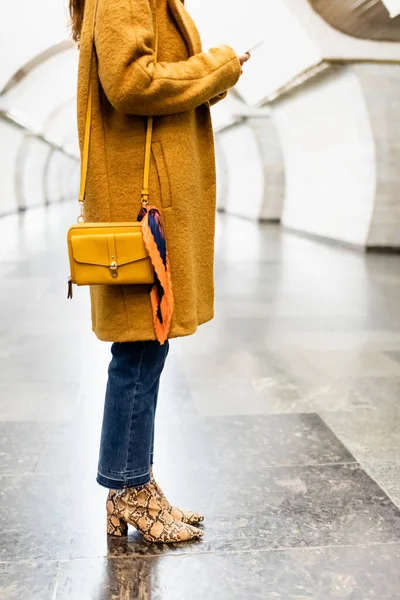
column 162, row 300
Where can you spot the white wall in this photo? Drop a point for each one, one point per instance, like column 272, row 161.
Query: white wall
column 287, row 50
column 330, row 162
column 296, row 38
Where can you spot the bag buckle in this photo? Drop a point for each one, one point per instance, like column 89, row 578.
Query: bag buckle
column 81, row 217
column 114, row 269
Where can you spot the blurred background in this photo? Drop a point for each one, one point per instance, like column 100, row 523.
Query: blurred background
column 280, row 419
column 313, row 122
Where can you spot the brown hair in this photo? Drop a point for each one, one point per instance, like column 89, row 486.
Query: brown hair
column 76, row 9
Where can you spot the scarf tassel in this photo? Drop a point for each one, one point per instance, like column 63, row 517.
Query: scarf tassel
column 162, row 301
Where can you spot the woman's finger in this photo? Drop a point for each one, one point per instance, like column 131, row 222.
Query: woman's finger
column 243, row 57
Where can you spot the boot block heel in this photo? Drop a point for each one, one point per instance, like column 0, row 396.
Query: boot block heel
column 116, row 526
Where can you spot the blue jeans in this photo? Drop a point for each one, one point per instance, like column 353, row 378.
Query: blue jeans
column 127, row 436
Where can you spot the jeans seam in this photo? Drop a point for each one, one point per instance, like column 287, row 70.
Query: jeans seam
column 134, row 473
column 124, row 477
column 119, row 484
column 133, row 405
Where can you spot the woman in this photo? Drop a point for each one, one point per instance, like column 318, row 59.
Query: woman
column 177, row 91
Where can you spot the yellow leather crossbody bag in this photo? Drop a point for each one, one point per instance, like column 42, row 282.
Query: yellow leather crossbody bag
column 122, row 253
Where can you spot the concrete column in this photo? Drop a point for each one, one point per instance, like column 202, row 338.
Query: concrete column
column 243, row 171
column 340, row 138
column 250, row 170
column 273, row 166
column 381, row 89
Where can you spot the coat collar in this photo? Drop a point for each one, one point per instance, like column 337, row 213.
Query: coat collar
column 186, row 26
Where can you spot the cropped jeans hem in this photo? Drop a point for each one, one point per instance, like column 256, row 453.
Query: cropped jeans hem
column 120, row 481
column 127, row 434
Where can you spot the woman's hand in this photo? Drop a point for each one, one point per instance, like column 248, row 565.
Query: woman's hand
column 243, row 58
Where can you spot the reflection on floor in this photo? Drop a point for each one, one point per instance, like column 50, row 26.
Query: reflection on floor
column 280, row 421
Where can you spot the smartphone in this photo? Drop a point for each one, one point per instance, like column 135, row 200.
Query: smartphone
column 255, row 47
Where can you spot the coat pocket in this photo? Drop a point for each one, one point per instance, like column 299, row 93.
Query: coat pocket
column 162, row 172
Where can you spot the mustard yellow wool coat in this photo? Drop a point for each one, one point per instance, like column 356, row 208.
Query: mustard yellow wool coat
column 178, row 91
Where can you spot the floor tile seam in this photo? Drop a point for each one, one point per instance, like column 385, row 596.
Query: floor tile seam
column 335, row 434
column 306, row 548
column 33, row 561
column 264, row 550
column 238, row 552
column 383, row 487
column 57, row 579
column 63, row 561
column 298, row 465
column 269, row 467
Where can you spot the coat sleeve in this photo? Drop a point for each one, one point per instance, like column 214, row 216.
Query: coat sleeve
column 135, row 84
column 218, row 98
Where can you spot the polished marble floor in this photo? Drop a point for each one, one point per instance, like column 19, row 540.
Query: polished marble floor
column 280, row 420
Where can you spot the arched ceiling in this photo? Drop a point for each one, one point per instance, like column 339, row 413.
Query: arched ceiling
column 365, row 19
column 38, row 68
column 27, row 29
column 44, row 90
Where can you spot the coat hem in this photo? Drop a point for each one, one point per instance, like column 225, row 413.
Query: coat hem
column 106, row 336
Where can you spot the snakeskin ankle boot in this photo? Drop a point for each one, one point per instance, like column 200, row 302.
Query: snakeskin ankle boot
column 179, row 515
column 141, row 507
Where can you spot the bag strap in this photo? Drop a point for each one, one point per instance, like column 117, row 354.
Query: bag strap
column 88, row 125
column 149, row 134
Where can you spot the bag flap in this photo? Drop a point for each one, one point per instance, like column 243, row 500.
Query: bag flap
column 98, row 249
